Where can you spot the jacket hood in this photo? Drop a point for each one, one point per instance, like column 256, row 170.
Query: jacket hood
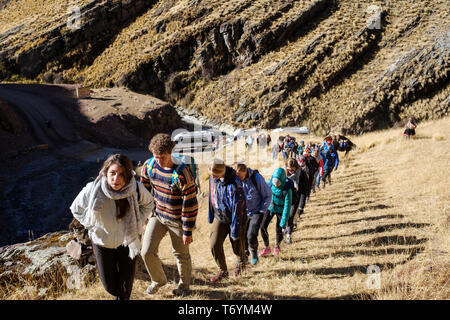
column 280, row 174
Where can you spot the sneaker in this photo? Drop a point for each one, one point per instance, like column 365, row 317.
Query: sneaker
column 288, row 238
column 181, row 292
column 254, row 261
column 276, row 251
column 219, row 277
column 238, row 270
column 264, row 251
column 153, row 288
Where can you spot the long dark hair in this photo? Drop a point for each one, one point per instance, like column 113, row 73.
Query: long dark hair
column 125, row 163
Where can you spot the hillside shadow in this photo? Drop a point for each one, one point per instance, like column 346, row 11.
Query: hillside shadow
column 354, row 253
column 378, row 229
column 349, row 270
column 389, row 216
column 355, row 210
column 392, row 240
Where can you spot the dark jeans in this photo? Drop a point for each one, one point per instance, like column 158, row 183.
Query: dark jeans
column 219, row 233
column 116, row 270
column 265, row 224
column 326, row 175
column 253, row 226
column 292, row 213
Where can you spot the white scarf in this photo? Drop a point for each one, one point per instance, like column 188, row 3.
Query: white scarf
column 101, row 191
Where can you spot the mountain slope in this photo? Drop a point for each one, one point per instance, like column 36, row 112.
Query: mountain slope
column 336, row 65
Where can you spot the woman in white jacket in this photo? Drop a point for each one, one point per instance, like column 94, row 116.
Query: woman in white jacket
column 114, row 208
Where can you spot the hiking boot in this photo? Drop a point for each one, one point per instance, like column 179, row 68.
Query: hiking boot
column 153, row 288
column 238, row 270
column 276, row 251
column 254, row 261
column 219, row 277
column 288, row 238
column 181, row 292
column 264, row 251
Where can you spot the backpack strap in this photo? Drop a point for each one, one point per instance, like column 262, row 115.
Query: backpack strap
column 253, row 178
column 176, row 183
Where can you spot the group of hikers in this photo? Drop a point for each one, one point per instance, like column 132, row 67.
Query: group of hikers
column 125, row 217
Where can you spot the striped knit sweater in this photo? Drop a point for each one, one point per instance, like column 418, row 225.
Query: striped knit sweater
column 173, row 204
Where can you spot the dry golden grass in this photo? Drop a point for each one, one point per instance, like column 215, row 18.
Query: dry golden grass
column 387, row 206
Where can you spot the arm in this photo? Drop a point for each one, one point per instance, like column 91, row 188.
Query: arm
column 210, row 207
column 79, row 207
column 189, row 207
column 266, row 193
column 237, row 212
column 146, row 202
column 336, row 161
column 286, row 209
column 145, row 179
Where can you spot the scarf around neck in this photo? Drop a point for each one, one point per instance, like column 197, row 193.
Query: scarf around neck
column 133, row 221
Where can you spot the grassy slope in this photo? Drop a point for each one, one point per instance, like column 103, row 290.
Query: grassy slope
column 387, row 206
column 330, row 85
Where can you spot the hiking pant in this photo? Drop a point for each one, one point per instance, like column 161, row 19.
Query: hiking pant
column 317, row 178
column 116, row 270
column 265, row 224
column 253, row 226
column 301, row 203
column 156, row 229
column 292, row 213
column 326, row 175
column 219, row 232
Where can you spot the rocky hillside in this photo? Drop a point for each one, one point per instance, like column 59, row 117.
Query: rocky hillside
column 339, row 65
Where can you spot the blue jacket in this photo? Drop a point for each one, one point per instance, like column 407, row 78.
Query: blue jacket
column 328, row 164
column 257, row 197
column 230, row 200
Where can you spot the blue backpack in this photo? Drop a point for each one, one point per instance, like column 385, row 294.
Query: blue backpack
column 181, row 161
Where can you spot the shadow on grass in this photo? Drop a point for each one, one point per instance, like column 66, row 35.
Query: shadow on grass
column 350, row 270
column 378, row 229
column 361, row 252
column 388, row 216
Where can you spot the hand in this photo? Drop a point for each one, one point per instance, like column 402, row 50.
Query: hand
column 187, row 240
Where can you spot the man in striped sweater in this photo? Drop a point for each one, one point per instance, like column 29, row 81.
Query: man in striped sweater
column 175, row 212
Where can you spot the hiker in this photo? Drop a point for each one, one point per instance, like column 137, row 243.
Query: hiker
column 304, row 185
column 335, row 142
column 410, row 129
column 275, row 150
column 257, row 198
column 114, row 208
column 345, row 144
column 227, row 214
column 280, row 207
column 175, row 213
column 319, row 172
column 285, row 148
column 301, row 147
column 249, row 143
column 331, row 160
column 312, row 165
column 293, row 173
